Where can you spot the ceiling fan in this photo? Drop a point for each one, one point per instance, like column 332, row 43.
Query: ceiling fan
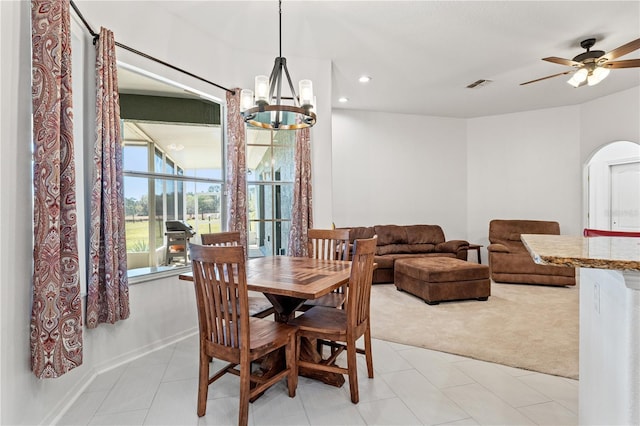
column 592, row 66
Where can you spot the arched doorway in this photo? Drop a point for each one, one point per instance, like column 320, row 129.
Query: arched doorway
column 613, row 187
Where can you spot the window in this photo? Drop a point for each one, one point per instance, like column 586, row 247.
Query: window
column 270, row 177
column 173, row 169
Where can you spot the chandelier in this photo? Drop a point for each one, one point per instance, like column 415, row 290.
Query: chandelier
column 266, row 107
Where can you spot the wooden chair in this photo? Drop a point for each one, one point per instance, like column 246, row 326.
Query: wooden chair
column 230, row 334
column 340, row 328
column 328, row 244
column 259, row 306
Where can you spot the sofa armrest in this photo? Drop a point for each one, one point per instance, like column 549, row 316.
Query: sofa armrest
column 452, row 246
column 498, row 248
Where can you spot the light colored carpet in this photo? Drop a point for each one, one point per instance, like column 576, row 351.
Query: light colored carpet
column 524, row 326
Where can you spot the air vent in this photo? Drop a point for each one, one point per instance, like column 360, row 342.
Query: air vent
column 478, row 83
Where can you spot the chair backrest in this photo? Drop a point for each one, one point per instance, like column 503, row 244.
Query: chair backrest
column 508, row 232
column 220, row 281
column 231, row 238
column 359, row 294
column 328, row 244
column 588, row 232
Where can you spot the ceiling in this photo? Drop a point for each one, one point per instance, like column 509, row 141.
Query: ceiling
column 422, row 54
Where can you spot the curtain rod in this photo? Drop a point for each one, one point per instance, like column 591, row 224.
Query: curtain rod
column 144, row 55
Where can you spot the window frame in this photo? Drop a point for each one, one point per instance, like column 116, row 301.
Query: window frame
column 178, row 177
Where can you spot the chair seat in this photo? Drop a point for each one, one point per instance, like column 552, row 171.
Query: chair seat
column 321, row 319
column 331, row 300
column 265, row 334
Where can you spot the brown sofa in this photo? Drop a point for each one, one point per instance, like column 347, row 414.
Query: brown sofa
column 509, row 260
column 404, row 241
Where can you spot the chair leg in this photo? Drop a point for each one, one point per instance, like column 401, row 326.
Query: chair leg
column 352, row 367
column 298, row 340
column 203, row 384
column 291, row 355
column 245, row 383
column 368, row 353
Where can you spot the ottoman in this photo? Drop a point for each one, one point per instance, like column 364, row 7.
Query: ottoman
column 437, row 279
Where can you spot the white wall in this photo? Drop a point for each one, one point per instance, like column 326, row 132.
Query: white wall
column 611, row 118
column 524, row 166
column 399, row 169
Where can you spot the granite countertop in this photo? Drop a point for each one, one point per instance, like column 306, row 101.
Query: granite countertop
column 621, row 253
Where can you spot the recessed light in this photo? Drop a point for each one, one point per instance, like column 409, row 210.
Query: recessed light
column 343, row 100
column 364, row 79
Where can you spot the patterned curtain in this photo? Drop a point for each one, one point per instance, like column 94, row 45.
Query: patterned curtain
column 56, row 314
column 236, row 180
column 302, row 212
column 108, row 293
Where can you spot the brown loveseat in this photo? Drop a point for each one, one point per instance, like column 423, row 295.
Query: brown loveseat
column 509, row 260
column 403, row 241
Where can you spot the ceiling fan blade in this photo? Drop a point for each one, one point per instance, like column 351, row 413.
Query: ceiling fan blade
column 549, row 76
column 622, row 50
column 629, row 63
column 562, row 61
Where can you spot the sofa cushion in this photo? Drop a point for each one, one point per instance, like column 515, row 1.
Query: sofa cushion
column 521, row 263
column 391, row 234
column 360, row 232
column 404, row 248
column 424, row 234
column 384, row 262
column 501, row 230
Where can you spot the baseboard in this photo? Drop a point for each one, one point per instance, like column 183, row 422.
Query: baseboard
column 143, row 350
column 76, row 391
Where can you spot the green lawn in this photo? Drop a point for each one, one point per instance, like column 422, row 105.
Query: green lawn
column 138, row 233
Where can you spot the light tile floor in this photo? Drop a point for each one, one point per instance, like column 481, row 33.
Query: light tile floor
column 412, row 386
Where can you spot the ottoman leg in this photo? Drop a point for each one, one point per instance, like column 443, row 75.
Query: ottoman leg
column 483, row 298
column 431, row 303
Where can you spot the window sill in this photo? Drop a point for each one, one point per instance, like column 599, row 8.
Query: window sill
column 141, row 275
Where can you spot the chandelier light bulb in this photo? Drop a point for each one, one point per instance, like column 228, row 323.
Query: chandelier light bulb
column 262, row 89
column 246, row 99
column 305, row 87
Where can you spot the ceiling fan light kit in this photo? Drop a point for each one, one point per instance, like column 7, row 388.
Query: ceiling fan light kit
column 265, row 108
column 593, row 66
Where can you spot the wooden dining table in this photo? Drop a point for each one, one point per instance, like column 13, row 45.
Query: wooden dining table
column 287, row 282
